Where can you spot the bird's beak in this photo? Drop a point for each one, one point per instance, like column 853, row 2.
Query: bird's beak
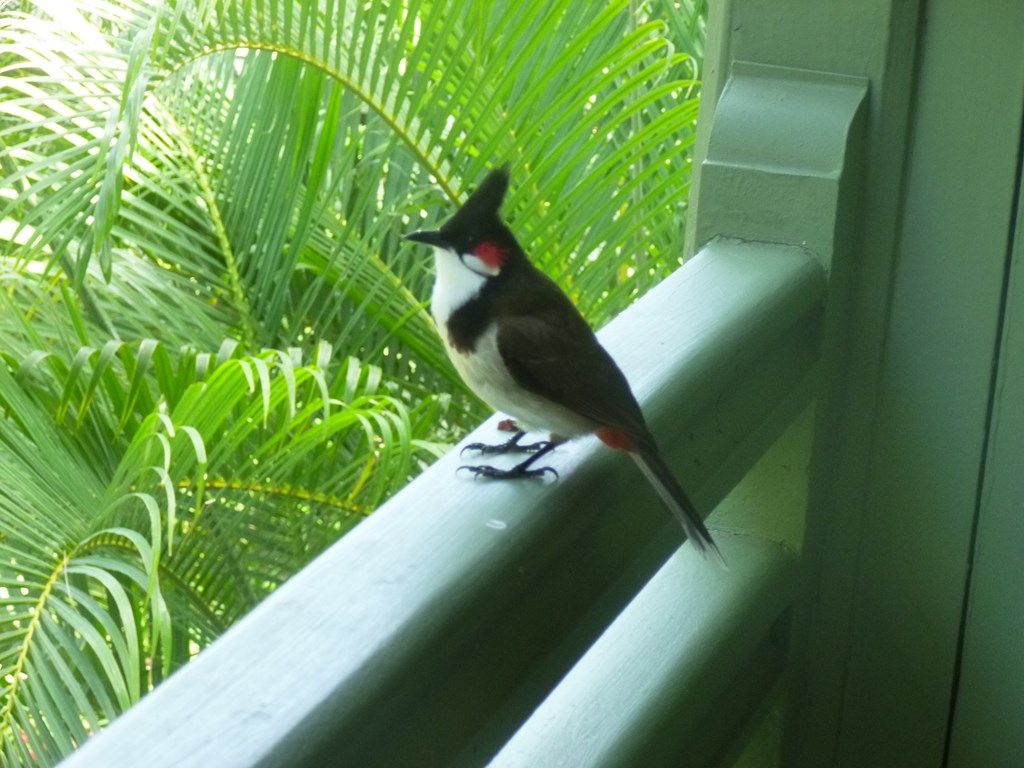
column 428, row 237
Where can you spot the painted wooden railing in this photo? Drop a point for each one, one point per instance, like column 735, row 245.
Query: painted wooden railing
column 429, row 634
column 560, row 622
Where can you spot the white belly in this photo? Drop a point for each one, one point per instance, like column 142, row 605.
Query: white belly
column 486, row 374
column 483, row 370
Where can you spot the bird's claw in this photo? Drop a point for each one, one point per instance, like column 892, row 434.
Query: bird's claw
column 515, row 473
column 509, row 446
column 512, row 445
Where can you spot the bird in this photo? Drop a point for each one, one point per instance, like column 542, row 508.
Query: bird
column 523, row 347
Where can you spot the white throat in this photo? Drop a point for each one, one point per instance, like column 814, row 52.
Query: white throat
column 454, row 285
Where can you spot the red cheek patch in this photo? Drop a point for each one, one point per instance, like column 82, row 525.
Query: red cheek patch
column 491, row 254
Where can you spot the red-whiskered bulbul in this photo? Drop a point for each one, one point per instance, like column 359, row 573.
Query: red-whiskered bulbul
column 524, row 348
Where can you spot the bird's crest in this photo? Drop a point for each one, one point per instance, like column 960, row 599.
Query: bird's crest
column 480, row 211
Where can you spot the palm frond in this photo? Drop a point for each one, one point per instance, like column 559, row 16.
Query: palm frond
column 223, row 475
column 201, row 203
column 337, row 130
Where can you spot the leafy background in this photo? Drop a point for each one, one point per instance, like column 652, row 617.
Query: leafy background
column 215, row 354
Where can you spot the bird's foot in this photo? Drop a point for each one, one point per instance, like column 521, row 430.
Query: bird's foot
column 515, row 473
column 520, row 470
column 512, row 445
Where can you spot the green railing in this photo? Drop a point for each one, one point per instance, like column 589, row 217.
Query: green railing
column 561, row 623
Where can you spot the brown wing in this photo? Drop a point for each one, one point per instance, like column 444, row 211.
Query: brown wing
column 556, row 355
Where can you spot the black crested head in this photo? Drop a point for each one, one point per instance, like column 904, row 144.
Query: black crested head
column 476, row 228
column 479, row 218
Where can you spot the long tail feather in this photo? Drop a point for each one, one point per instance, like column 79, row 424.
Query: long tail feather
column 675, row 498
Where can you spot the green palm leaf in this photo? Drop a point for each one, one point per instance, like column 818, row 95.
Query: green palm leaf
column 203, row 506
column 200, row 203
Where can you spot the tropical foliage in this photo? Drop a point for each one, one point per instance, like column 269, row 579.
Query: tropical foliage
column 215, row 355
